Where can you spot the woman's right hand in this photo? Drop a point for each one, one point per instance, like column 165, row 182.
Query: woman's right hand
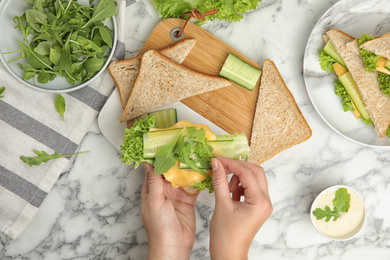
column 235, row 223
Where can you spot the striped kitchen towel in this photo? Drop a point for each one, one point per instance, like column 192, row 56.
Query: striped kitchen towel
column 29, row 121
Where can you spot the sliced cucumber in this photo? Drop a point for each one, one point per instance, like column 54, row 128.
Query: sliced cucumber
column 387, row 65
column 331, row 51
column 165, row 118
column 153, row 140
column 351, row 87
column 240, row 72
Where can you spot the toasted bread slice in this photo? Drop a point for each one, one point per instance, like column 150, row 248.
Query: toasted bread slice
column 125, row 72
column 278, row 123
column 379, row 46
column 162, row 81
column 377, row 103
column 339, row 40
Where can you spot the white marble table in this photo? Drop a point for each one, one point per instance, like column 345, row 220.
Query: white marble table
column 93, row 211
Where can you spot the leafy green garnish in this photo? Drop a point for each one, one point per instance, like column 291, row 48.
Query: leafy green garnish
column 193, row 150
column 227, row 10
column 133, row 145
column 341, row 204
column 206, row 184
column 60, row 105
column 2, row 89
column 64, row 39
column 165, row 157
column 326, row 61
column 43, row 156
column 369, row 58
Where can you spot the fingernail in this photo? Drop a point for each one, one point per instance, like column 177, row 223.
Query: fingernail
column 146, row 166
column 214, row 164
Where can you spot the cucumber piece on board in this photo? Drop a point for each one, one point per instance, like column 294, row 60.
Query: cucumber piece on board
column 240, row 72
column 165, row 118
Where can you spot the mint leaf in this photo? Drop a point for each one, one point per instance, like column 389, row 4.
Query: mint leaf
column 43, row 156
column 60, row 105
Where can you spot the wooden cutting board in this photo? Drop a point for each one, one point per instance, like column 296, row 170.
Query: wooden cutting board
column 231, row 108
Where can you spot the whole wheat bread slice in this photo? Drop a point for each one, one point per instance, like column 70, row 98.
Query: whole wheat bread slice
column 377, row 103
column 379, row 46
column 162, row 81
column 278, row 123
column 125, row 72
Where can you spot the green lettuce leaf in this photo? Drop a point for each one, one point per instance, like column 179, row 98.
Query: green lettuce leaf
column 206, row 184
column 384, row 80
column 369, row 58
column 340, row 91
column 133, row 145
column 231, row 10
column 326, row 61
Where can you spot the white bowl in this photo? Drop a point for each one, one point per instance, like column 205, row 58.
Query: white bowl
column 349, row 224
column 11, row 8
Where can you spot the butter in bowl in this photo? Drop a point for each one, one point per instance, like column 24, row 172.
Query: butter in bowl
column 338, row 213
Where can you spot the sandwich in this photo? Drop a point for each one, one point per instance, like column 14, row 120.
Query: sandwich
column 376, row 57
column 162, row 81
column 182, row 152
column 278, row 122
column 358, row 88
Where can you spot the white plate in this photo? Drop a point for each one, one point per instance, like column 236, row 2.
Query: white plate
column 8, row 43
column 355, row 17
column 113, row 130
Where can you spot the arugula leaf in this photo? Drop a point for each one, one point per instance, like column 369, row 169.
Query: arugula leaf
column 43, row 156
column 60, row 105
column 64, row 38
column 327, row 213
column 2, row 89
column 105, row 9
column 183, row 153
column 342, row 199
column 341, row 204
column 165, row 156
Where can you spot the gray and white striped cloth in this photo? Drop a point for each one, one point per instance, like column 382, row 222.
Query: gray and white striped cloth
column 29, row 121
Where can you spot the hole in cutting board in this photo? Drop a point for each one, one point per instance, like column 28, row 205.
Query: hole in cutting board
column 174, row 32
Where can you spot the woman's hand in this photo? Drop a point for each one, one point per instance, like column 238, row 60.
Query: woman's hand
column 235, row 223
column 169, row 218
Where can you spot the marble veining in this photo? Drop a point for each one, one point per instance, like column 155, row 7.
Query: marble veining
column 93, row 211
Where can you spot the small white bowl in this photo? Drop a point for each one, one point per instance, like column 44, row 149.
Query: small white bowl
column 338, row 230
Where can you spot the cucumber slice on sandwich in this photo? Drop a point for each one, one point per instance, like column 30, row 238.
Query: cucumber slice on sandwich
column 240, row 72
column 165, row 118
column 331, row 51
column 351, row 87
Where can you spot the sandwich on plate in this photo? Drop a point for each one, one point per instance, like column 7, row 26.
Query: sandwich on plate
column 358, row 88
